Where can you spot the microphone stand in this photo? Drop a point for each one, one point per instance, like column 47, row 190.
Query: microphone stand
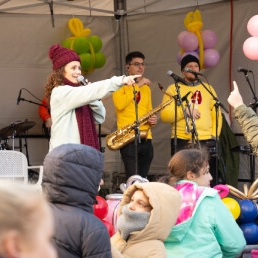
column 216, row 105
column 179, row 102
column 25, row 138
column 193, row 131
column 137, row 138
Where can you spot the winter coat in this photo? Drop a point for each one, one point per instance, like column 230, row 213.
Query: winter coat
column 72, row 173
column 248, row 121
column 148, row 243
column 211, row 231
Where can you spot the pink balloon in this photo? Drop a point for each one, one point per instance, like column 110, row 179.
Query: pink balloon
column 178, row 57
column 252, row 26
column 209, row 39
column 188, row 41
column 250, row 48
column 180, row 36
column 211, row 58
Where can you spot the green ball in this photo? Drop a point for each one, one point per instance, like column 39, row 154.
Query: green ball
column 87, row 61
column 67, row 43
column 81, row 45
column 100, row 60
column 96, row 43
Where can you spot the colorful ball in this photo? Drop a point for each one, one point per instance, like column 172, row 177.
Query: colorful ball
column 209, row 39
column 81, row 45
column 248, row 211
column 110, row 227
column 250, row 231
column 101, row 207
column 211, row 58
column 252, row 26
column 188, row 41
column 67, row 43
column 250, row 48
column 96, row 42
column 233, row 206
column 100, row 60
column 87, row 61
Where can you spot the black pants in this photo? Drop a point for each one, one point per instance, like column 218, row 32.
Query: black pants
column 145, row 156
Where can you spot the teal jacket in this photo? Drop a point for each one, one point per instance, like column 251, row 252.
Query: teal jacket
column 210, row 232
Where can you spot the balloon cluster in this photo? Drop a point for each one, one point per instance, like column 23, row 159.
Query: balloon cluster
column 250, row 46
column 196, row 42
column 101, row 211
column 248, row 211
column 87, row 47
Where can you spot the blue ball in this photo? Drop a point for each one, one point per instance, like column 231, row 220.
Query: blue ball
column 248, row 211
column 250, row 231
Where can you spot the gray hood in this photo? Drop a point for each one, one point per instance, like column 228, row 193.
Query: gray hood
column 72, row 173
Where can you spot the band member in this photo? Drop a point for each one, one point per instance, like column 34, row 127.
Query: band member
column 75, row 110
column 130, row 102
column 202, row 121
column 44, row 113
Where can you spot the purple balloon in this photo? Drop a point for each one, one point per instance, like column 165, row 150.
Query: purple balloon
column 193, row 53
column 188, row 41
column 211, row 58
column 180, row 36
column 209, row 39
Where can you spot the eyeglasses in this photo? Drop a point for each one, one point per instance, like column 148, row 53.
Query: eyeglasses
column 138, row 64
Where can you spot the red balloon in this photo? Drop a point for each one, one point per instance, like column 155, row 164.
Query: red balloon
column 110, row 227
column 101, row 207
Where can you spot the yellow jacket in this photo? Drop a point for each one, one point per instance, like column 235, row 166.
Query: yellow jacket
column 123, row 100
column 205, row 125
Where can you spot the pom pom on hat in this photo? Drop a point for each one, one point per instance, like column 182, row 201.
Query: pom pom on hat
column 61, row 56
column 188, row 59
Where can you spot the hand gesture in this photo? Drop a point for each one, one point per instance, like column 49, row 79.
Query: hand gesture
column 235, row 99
column 129, row 80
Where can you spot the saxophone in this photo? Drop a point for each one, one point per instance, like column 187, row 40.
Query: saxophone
column 126, row 134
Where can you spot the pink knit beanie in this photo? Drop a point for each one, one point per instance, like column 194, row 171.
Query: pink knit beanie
column 61, row 56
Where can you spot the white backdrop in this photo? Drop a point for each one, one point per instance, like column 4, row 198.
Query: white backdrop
column 25, row 40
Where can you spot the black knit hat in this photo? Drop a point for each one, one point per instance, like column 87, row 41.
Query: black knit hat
column 188, row 59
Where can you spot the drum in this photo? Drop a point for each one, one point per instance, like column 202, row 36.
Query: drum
column 113, row 201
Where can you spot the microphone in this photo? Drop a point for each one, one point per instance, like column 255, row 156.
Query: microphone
column 19, row 97
column 82, row 81
column 176, row 78
column 240, row 69
column 185, row 96
column 191, row 71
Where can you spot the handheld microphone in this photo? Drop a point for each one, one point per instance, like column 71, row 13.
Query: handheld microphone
column 185, row 96
column 240, row 69
column 82, row 81
column 176, row 78
column 191, row 71
column 19, row 97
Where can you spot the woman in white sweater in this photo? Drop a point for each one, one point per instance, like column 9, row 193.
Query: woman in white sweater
column 75, row 108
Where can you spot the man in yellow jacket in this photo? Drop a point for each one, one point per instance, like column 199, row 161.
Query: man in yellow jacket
column 131, row 103
column 197, row 122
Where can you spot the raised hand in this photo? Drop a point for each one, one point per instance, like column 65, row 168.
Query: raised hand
column 235, row 99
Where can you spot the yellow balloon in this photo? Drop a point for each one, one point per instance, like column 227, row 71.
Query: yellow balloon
column 233, row 206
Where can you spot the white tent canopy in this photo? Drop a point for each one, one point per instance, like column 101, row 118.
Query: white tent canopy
column 152, row 27
column 96, row 7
